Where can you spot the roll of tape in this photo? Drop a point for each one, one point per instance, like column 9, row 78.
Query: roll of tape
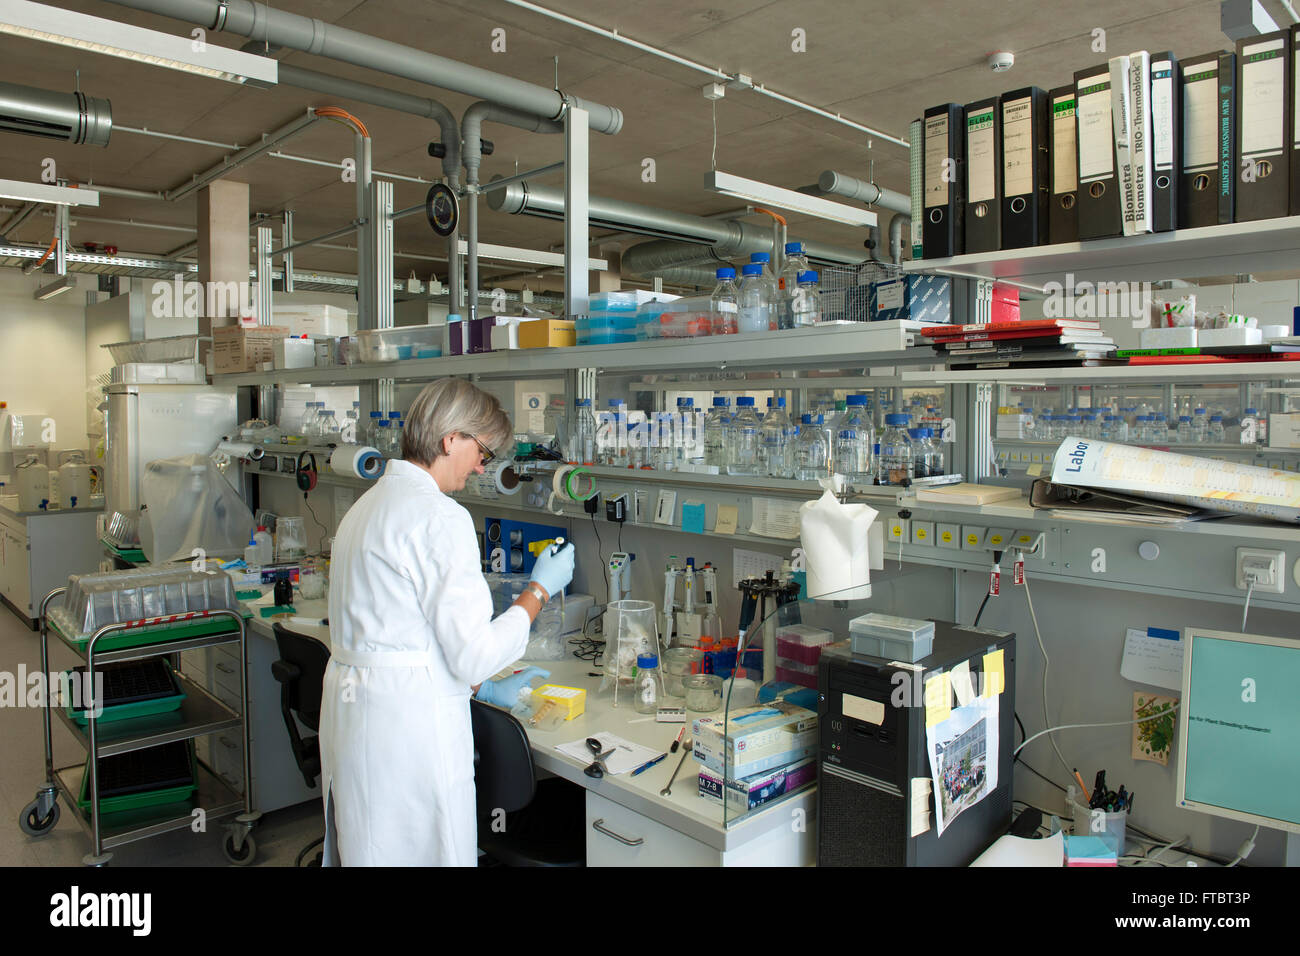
column 505, row 479
column 579, row 484
column 555, row 504
column 557, row 482
column 516, row 559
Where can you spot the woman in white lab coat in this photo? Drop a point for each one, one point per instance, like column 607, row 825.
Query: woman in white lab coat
column 412, row 636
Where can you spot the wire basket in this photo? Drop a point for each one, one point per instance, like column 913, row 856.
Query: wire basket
column 846, row 290
column 172, row 348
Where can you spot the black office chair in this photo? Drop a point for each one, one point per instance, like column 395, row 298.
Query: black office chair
column 301, row 673
column 543, row 823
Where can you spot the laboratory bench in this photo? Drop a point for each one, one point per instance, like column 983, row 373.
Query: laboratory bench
column 628, row 822
column 39, row 549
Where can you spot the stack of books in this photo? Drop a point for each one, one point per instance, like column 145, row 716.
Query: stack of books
column 1040, row 343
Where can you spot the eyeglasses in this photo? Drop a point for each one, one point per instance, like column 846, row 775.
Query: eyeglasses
column 488, row 453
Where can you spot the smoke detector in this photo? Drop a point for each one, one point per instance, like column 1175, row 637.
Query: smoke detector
column 1001, row 61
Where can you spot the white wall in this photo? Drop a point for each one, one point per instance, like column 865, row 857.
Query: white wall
column 43, row 356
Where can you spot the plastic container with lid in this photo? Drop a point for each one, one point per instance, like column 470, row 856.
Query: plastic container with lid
column 647, row 318
column 688, row 317
column 408, row 341
column 725, row 303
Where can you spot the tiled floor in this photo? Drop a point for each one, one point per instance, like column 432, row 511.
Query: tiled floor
column 279, row 835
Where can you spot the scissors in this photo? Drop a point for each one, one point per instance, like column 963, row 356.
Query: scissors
column 597, row 768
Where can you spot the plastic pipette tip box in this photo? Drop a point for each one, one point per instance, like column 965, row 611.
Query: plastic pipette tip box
column 571, row 701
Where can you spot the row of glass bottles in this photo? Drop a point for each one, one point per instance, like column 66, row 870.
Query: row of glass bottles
column 763, row 301
column 384, row 434
column 1135, row 425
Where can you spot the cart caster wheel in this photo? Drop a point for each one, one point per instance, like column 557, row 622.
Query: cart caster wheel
column 100, row 861
column 30, row 822
column 244, row 855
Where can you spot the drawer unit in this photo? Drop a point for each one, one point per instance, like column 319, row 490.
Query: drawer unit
column 617, row 836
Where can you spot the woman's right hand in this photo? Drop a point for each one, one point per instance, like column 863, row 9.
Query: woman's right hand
column 554, row 571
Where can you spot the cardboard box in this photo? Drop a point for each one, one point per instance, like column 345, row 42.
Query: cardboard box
column 236, row 349
column 750, row 793
column 1284, row 431
column 295, row 353
column 547, row 334
column 758, row 738
column 919, row 298
column 314, row 320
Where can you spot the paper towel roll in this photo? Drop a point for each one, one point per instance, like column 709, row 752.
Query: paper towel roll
column 357, row 461
column 241, row 449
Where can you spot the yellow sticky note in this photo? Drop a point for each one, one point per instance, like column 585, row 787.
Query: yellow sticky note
column 725, row 523
column 1034, row 471
column 995, row 680
column 938, row 699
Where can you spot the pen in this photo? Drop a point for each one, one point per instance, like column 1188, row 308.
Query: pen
column 1086, row 795
column 677, row 741
column 648, row 764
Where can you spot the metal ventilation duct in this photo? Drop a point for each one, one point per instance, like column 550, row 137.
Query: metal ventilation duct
column 70, row 117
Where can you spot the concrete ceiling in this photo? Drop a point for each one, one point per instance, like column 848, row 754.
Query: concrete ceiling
column 878, row 64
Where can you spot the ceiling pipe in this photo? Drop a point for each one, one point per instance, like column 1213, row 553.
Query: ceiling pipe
column 387, row 99
column 471, row 132
column 18, row 218
column 70, row 117
column 736, row 238
column 279, row 28
column 246, row 155
column 838, row 184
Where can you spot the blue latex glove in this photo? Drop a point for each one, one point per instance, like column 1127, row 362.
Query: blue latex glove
column 554, row 571
column 505, row 692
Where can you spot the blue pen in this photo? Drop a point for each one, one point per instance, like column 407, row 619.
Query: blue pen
column 648, row 765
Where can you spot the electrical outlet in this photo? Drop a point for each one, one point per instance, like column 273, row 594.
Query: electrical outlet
column 1265, row 568
column 948, row 535
column 900, row 529
column 972, row 538
column 923, row 532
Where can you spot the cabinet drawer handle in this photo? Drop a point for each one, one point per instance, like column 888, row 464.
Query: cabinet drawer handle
column 225, row 668
column 597, row 825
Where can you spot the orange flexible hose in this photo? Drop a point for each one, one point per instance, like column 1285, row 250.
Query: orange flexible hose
column 778, row 218
column 48, row 252
column 337, row 112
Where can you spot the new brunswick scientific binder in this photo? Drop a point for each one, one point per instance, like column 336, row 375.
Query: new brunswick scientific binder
column 1098, row 187
column 1206, row 185
column 1024, row 168
column 1264, row 118
column 942, row 233
column 1063, row 213
column 1166, row 140
column 983, row 132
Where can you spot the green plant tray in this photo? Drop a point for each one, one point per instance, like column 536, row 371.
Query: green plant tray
column 139, row 801
column 134, row 555
column 139, row 708
column 155, row 634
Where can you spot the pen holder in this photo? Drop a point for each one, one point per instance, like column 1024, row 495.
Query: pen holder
column 1099, row 823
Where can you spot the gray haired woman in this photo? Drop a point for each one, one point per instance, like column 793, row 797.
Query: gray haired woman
column 412, row 636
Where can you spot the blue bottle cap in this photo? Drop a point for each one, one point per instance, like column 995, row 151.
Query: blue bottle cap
column 376, row 414
column 780, row 403
column 808, row 276
column 726, row 272
column 1216, row 418
column 1200, row 411
column 896, row 418
column 805, row 420
column 857, row 400
column 1184, row 418
column 760, row 257
column 794, row 248
column 745, row 401
column 646, row 661
column 685, row 402
column 720, row 402
column 582, row 402
column 753, row 269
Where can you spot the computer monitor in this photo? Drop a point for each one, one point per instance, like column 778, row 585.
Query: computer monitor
column 1239, row 728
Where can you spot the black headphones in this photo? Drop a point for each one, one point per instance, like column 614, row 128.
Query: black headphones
column 305, row 475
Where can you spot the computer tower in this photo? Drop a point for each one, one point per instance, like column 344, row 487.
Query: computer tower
column 872, row 746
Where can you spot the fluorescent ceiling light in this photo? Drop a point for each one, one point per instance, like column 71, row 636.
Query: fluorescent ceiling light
column 59, row 285
column 37, row 21
column 529, row 257
column 42, row 192
column 763, row 194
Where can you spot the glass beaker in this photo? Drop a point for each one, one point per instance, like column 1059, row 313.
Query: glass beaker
column 290, row 539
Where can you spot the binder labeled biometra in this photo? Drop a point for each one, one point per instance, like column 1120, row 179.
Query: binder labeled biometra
column 1205, row 187
column 1098, row 187
column 983, row 123
column 1024, row 168
column 1264, row 108
column 1138, row 221
column 1063, row 211
column 942, row 232
column 1166, row 115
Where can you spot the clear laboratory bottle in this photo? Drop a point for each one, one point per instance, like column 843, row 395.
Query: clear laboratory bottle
column 1108, row 428
column 648, row 687
column 372, row 429
column 393, row 418
column 755, row 306
column 679, row 435
column 1185, row 433
column 1160, row 427
column 309, row 424
column 1142, row 430
column 856, row 441
column 382, row 441
column 764, row 259
column 329, row 425
column 715, row 438
column 788, row 284
column 927, row 456
column 1200, row 426
column 895, row 460
column 778, row 450
column 812, row 454
column 1089, row 426
column 1215, row 434
column 581, row 431
column 1249, row 426
column 1073, row 425
column 265, row 551
column 349, row 428
column 619, row 456
column 744, row 438
column 806, row 304
column 726, row 303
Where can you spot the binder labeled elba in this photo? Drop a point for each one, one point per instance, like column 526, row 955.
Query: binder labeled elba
column 1063, row 213
column 1098, row 186
column 983, row 176
column 1263, row 126
column 1024, row 168
column 1166, row 115
column 942, row 233
column 1205, row 184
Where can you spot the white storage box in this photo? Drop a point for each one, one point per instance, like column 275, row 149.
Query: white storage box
column 1237, row 335
column 295, row 353
column 313, row 320
column 1183, row 337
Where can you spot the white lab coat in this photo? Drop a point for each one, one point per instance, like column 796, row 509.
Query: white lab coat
column 411, row 630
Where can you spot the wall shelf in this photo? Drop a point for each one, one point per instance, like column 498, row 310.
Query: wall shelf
column 1110, row 375
column 1266, row 246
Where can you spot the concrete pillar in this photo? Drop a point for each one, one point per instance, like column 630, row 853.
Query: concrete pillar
column 223, row 249
column 610, row 280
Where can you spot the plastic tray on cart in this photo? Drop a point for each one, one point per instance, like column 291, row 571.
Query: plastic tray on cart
column 149, row 634
column 131, row 689
column 143, row 778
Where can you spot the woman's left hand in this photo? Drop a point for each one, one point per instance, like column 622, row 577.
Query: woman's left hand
column 505, row 692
